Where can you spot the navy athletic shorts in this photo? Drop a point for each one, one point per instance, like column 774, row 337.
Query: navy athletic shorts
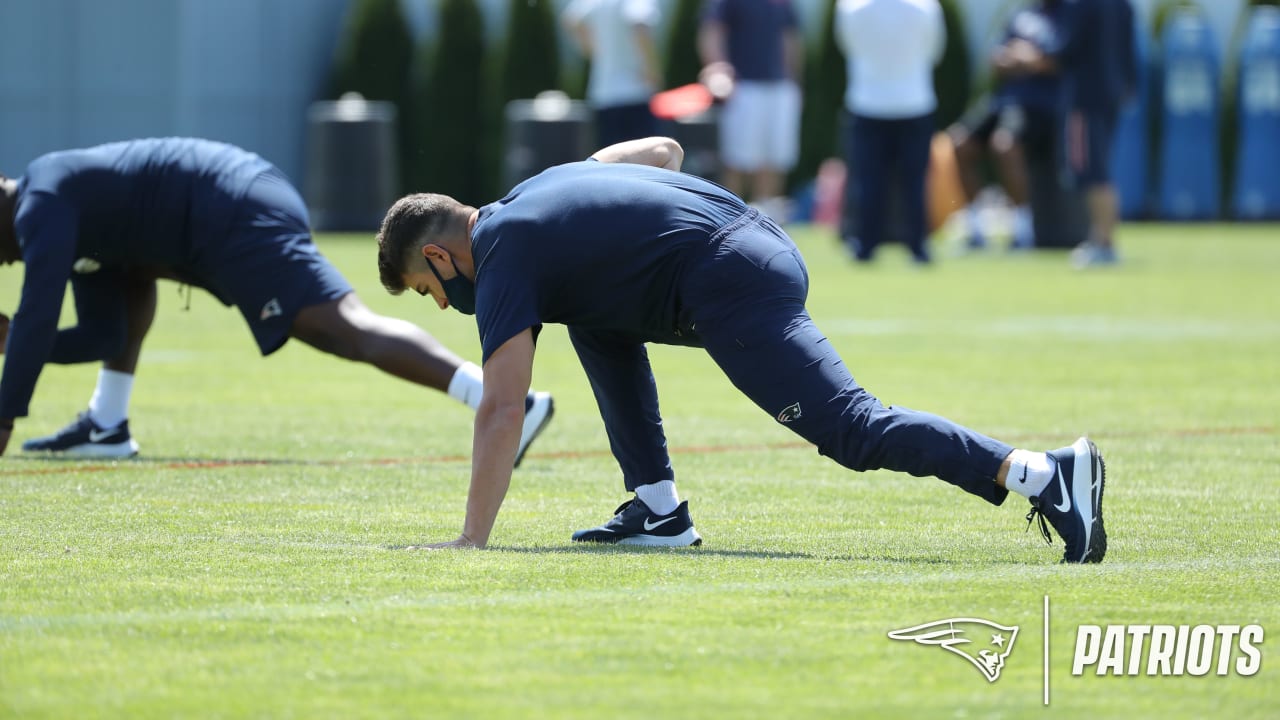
column 268, row 267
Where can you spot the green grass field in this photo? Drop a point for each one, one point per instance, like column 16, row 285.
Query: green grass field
column 248, row 565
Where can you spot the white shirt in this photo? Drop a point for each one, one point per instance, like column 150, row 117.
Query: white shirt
column 890, row 47
column 617, row 68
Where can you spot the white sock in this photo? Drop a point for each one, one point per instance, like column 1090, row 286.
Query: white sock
column 661, row 496
column 1029, row 472
column 467, row 385
column 973, row 220
column 109, row 405
column 1023, row 226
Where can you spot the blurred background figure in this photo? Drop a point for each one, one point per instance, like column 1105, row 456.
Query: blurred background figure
column 617, row 36
column 1019, row 116
column 753, row 55
column 891, row 47
column 1097, row 58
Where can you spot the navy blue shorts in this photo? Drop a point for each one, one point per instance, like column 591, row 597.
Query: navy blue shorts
column 1087, row 137
column 268, row 267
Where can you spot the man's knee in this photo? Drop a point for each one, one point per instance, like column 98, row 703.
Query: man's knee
column 337, row 327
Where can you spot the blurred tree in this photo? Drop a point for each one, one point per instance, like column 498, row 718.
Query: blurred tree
column 448, row 104
column 953, row 77
column 531, row 61
column 682, row 63
column 374, row 58
column 527, row 64
column 824, row 86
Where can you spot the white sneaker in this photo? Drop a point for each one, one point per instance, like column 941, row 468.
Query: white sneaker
column 539, row 408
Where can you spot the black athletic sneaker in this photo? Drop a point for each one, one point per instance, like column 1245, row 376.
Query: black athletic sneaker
column 538, row 409
column 1072, row 502
column 84, row 438
column 634, row 523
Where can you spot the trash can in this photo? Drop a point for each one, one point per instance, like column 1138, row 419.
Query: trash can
column 1189, row 169
column 1256, row 194
column 351, row 168
column 548, row 130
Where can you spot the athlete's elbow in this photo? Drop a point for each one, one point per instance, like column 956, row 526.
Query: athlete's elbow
column 675, row 154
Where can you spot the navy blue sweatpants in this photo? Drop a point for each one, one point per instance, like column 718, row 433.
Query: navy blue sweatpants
column 745, row 303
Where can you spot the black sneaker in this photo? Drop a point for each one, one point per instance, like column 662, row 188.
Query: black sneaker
column 1072, row 502
column 634, row 523
column 85, row 438
column 538, row 409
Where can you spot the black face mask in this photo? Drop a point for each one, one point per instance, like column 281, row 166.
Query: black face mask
column 458, row 290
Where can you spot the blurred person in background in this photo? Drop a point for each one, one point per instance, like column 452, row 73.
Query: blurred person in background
column 1096, row 55
column 753, row 56
column 617, row 36
column 891, row 47
column 112, row 219
column 1020, row 116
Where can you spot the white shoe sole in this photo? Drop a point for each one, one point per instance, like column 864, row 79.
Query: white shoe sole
column 93, row 450
column 1088, row 475
column 535, row 421
column 684, row 539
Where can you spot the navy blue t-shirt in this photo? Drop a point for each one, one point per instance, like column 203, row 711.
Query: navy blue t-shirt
column 1037, row 25
column 593, row 245
column 754, row 30
column 1096, row 51
column 155, row 202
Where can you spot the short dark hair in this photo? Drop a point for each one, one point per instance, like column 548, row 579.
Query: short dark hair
column 409, row 224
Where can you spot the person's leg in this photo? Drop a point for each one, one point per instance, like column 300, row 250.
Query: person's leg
column 612, row 125
column 109, row 405
column 348, row 329
column 871, row 163
column 631, row 122
column 770, row 349
column 1089, row 138
column 849, row 203
column 617, row 367
column 1011, row 166
column 113, row 313
column 780, row 138
column 971, row 137
column 754, row 325
column 914, row 141
column 741, row 143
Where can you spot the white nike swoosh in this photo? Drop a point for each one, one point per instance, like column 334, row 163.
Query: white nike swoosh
column 1066, row 497
column 100, row 435
column 649, row 527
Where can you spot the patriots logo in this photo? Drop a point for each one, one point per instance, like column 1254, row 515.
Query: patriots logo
column 962, row 635
column 86, row 266
column 789, row 413
column 271, row 309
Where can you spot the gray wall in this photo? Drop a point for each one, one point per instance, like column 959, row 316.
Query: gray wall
column 81, row 72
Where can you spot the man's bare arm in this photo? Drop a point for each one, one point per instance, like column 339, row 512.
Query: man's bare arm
column 507, row 374
column 659, row 152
